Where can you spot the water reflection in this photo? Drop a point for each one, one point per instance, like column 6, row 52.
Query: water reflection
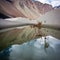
column 33, row 50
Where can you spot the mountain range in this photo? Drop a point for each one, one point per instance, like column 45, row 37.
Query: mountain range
column 57, row 6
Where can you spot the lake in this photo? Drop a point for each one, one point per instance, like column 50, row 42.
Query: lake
column 33, row 50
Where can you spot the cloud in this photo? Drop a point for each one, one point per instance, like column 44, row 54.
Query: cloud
column 43, row 1
column 55, row 3
column 52, row 2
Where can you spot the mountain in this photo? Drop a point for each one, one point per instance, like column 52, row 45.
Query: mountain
column 23, row 8
column 57, row 6
column 43, row 8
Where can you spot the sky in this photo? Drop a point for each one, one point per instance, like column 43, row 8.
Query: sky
column 52, row 2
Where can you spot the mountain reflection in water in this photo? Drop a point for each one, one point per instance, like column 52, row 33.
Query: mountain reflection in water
column 33, row 50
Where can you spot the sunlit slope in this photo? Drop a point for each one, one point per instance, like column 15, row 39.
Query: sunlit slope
column 29, row 12
column 9, row 10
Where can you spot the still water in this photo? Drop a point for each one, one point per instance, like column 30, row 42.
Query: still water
column 33, row 50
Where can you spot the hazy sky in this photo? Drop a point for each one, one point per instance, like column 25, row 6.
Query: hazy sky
column 52, row 2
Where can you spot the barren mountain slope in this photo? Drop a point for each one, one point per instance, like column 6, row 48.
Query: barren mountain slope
column 23, row 8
